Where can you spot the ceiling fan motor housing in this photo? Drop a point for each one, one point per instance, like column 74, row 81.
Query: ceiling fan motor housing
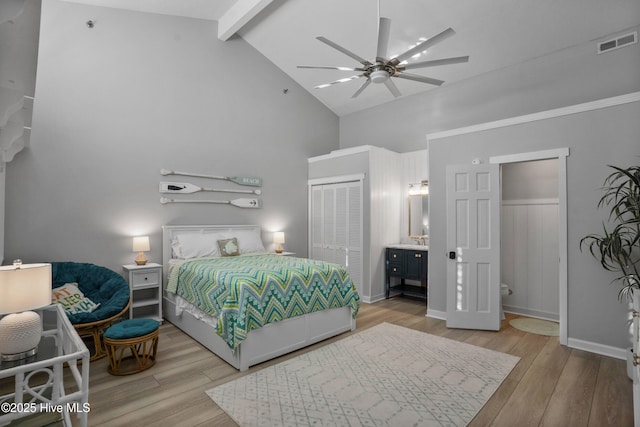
column 379, row 76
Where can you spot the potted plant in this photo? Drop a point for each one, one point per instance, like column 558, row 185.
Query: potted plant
column 618, row 247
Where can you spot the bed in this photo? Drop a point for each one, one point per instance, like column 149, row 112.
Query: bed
column 188, row 250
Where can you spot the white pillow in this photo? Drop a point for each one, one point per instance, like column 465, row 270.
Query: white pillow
column 197, row 245
column 200, row 245
column 249, row 241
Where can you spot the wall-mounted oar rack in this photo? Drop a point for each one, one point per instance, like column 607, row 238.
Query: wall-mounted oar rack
column 241, row 203
column 252, row 181
column 189, row 188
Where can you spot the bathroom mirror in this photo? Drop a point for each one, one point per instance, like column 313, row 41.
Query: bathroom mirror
column 419, row 210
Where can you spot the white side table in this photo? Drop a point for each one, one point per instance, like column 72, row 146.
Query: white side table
column 145, row 282
column 286, row 253
column 40, row 385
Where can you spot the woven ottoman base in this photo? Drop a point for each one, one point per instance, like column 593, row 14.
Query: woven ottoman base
column 130, row 347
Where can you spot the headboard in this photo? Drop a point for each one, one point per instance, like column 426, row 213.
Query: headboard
column 171, row 231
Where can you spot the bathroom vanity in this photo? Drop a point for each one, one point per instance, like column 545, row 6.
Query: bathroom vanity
column 406, row 262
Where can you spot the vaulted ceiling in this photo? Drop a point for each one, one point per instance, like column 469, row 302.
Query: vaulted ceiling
column 495, row 34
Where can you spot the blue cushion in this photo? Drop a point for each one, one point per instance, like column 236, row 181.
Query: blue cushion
column 100, row 284
column 131, row 328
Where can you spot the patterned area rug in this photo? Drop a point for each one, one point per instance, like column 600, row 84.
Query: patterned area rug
column 387, row 375
column 536, row 326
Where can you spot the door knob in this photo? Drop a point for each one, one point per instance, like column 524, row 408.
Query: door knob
column 452, row 255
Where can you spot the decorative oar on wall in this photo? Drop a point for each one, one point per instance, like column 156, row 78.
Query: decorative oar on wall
column 251, row 181
column 241, row 203
column 188, row 188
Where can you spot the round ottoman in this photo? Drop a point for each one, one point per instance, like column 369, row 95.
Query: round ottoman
column 140, row 337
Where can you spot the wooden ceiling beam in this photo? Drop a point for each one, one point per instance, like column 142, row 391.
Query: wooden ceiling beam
column 238, row 16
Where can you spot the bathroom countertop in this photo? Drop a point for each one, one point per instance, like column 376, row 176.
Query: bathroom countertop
column 409, row 246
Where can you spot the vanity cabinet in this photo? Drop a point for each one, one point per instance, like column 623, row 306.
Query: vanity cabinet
column 402, row 265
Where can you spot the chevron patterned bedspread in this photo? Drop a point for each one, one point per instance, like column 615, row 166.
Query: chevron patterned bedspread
column 249, row 291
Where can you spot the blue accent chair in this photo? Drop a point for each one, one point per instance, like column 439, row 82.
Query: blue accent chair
column 101, row 285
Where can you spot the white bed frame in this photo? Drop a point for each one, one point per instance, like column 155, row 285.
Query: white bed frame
column 262, row 344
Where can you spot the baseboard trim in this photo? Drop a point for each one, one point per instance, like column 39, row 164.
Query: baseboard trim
column 592, row 347
column 436, row 314
column 520, row 311
column 371, row 300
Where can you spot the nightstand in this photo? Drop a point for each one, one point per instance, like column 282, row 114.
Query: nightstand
column 286, row 253
column 145, row 282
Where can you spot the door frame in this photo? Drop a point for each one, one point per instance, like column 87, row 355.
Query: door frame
column 561, row 155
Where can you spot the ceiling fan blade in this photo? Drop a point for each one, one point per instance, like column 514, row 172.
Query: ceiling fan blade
column 423, row 46
column 392, row 88
column 383, row 39
column 331, row 68
column 421, row 79
column 345, row 51
column 435, row 63
column 335, row 82
column 361, row 88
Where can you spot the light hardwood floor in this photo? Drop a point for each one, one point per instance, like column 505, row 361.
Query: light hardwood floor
column 552, row 385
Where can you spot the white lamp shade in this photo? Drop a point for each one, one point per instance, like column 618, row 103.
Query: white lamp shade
column 24, row 287
column 141, row 244
column 278, row 237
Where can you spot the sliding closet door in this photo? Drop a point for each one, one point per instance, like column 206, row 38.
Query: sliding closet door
column 340, row 234
column 353, row 230
column 336, row 226
column 329, row 247
column 315, row 222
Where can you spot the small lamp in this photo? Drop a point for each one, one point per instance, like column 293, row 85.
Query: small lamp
column 22, row 288
column 141, row 245
column 278, row 239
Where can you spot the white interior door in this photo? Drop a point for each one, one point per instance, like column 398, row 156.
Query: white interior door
column 473, row 241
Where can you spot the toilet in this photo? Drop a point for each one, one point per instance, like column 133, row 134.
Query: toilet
column 504, row 291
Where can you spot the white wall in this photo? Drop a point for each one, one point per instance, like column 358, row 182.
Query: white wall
column 597, row 138
column 414, row 170
column 567, row 77
column 140, row 92
column 18, row 57
column 529, row 257
column 2, row 209
column 530, row 180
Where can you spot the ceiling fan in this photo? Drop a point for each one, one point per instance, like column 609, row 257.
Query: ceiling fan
column 383, row 69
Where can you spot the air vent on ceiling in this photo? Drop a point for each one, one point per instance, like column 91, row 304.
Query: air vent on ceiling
column 618, row 42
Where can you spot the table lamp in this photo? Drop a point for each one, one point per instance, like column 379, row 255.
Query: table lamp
column 278, row 239
column 141, row 245
column 23, row 287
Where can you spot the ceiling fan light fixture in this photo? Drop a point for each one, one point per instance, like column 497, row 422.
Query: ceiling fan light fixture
column 382, row 69
column 379, row 76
